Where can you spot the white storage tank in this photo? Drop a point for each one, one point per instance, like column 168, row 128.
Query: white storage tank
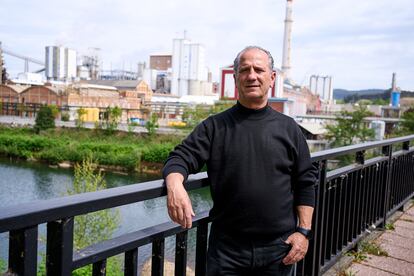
column 379, row 128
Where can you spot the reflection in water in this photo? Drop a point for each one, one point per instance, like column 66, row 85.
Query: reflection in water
column 22, row 182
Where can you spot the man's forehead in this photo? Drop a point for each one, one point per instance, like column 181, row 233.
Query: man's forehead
column 253, row 54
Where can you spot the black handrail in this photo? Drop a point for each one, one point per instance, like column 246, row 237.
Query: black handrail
column 350, row 200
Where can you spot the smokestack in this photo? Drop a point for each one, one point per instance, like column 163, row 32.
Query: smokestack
column 395, row 93
column 394, row 82
column 287, row 40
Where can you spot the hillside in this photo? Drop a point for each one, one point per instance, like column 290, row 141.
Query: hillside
column 340, row 94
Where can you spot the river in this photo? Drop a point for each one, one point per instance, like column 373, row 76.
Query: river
column 22, row 181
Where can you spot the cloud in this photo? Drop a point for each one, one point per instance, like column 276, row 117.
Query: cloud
column 359, row 43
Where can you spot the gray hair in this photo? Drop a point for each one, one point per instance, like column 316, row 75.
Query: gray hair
column 237, row 59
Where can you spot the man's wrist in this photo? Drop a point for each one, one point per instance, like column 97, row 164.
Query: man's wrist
column 307, row 232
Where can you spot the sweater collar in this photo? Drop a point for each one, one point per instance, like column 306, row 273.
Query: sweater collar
column 252, row 113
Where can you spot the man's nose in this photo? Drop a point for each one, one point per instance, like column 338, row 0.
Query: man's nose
column 252, row 74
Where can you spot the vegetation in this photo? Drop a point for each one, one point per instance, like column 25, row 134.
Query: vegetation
column 80, row 120
column 74, row 145
column 64, row 117
column 192, row 116
column 45, row 118
column 350, row 128
column 95, row 227
column 112, row 119
column 407, row 126
column 152, row 125
column 365, row 248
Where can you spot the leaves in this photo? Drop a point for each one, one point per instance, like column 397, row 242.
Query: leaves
column 350, row 128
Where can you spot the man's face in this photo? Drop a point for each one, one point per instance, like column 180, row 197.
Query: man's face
column 254, row 77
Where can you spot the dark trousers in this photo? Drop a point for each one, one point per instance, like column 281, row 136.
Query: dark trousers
column 229, row 255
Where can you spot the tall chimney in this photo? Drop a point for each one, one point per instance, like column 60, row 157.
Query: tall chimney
column 394, row 82
column 287, row 40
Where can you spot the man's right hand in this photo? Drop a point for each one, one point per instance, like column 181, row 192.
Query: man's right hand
column 179, row 205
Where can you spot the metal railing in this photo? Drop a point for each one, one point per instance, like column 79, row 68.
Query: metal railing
column 350, row 201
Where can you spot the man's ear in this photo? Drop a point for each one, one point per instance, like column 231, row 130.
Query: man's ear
column 273, row 78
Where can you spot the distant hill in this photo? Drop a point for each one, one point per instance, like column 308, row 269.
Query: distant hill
column 340, row 94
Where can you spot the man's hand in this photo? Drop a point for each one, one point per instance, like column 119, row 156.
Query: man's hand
column 299, row 245
column 179, row 205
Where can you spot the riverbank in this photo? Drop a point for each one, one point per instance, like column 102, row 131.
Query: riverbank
column 63, row 147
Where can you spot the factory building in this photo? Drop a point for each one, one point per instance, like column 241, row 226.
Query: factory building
column 60, row 63
column 189, row 74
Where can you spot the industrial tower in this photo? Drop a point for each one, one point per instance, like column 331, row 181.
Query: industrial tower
column 287, row 41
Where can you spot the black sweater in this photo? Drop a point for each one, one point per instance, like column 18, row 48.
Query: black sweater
column 259, row 167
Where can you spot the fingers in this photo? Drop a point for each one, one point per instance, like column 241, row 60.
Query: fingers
column 299, row 247
column 180, row 209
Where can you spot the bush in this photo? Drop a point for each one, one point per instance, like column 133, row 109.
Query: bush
column 45, row 119
column 157, row 153
column 64, row 117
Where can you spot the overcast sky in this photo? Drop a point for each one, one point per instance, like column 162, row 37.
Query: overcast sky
column 360, row 43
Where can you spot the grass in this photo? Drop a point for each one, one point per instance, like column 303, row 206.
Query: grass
column 53, row 146
column 365, row 249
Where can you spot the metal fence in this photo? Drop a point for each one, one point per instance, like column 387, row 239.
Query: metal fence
column 350, row 201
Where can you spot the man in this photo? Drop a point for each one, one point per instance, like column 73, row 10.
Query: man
column 262, row 179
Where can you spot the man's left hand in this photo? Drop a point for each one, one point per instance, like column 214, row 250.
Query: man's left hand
column 299, row 245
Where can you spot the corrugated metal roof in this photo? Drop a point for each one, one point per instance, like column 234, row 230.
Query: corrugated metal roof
column 17, row 88
column 314, row 128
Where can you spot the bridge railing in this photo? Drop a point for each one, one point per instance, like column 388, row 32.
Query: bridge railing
column 350, row 201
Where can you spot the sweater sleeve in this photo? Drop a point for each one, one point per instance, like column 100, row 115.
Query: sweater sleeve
column 305, row 174
column 191, row 155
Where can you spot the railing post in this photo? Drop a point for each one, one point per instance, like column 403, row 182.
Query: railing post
column 59, row 247
column 157, row 258
column 406, row 145
column 360, row 157
column 312, row 261
column 23, row 251
column 387, row 151
column 181, row 254
column 131, row 263
column 99, row 268
column 201, row 249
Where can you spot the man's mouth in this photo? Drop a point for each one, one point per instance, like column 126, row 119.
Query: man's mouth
column 249, row 86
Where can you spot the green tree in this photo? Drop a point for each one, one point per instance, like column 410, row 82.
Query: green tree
column 44, row 119
column 80, row 120
column 94, row 227
column 192, row 116
column 152, row 124
column 350, row 128
column 55, row 110
column 407, row 125
column 112, row 118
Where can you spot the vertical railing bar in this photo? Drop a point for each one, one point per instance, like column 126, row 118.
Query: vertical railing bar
column 181, row 254
column 99, row 268
column 316, row 257
column 388, row 152
column 23, row 251
column 201, row 249
column 359, row 205
column 131, row 262
column 364, row 195
column 343, row 214
column 337, row 217
column 328, row 225
column 157, row 268
column 377, row 187
column 371, row 194
column 350, row 206
column 355, row 207
column 59, row 247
